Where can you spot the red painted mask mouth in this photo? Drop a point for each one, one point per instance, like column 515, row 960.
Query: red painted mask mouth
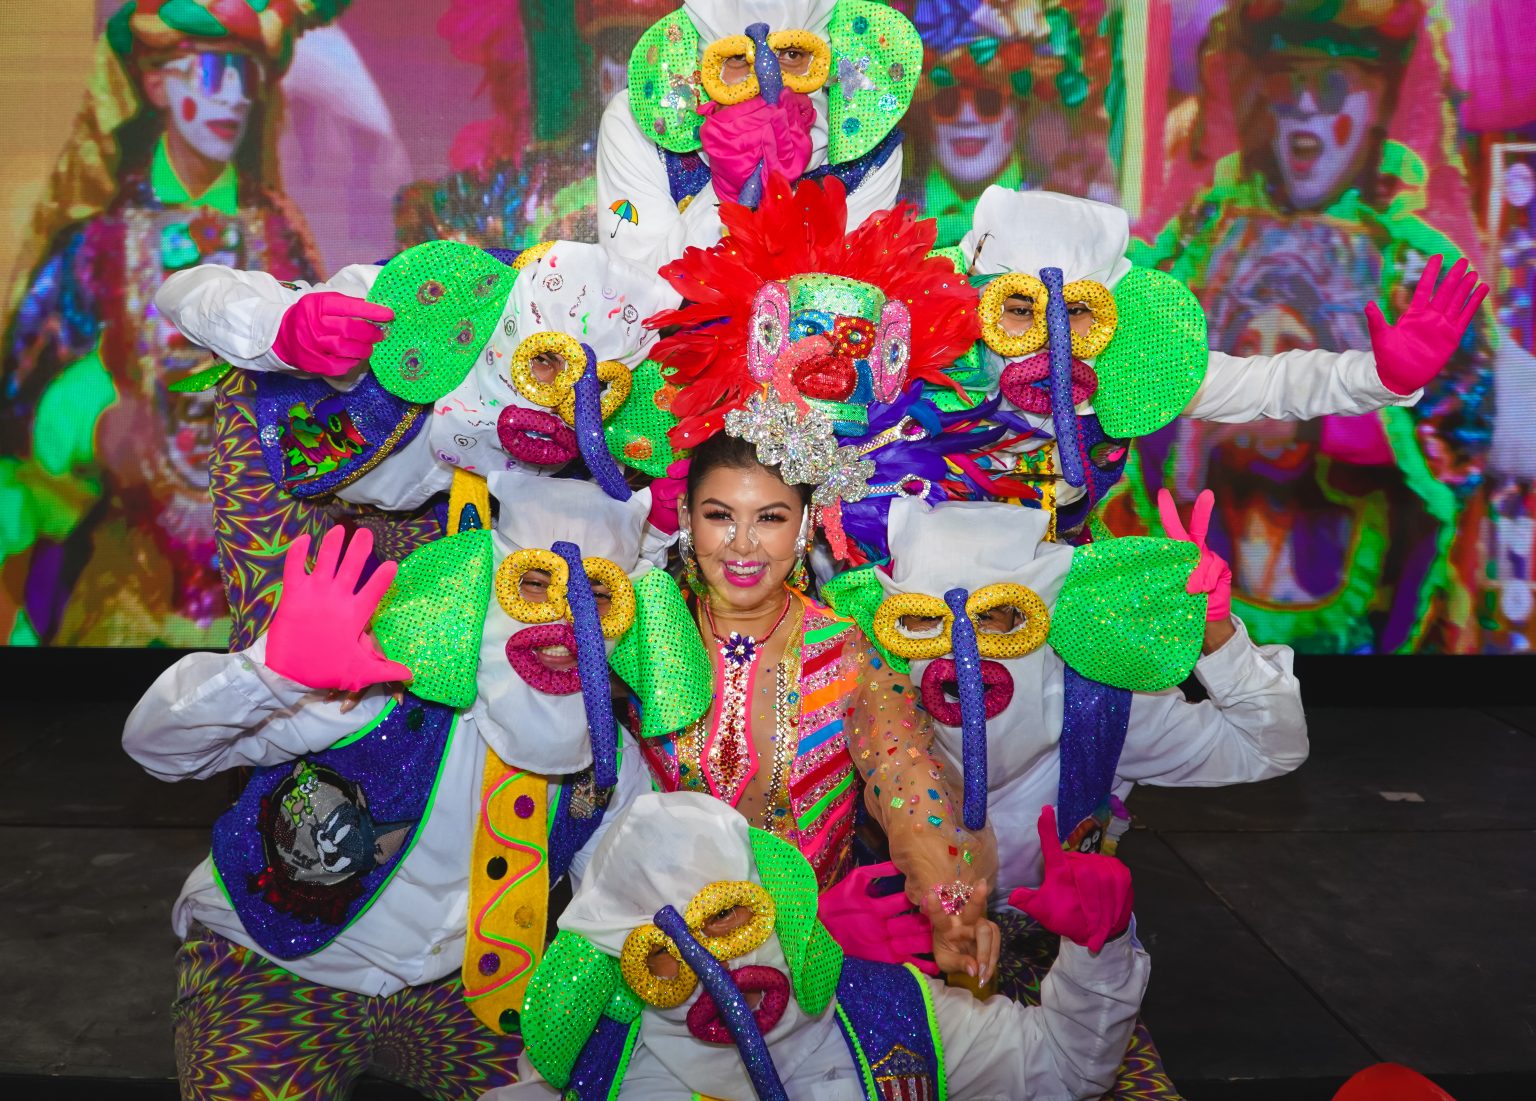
column 704, row 1019
column 535, row 655
column 817, row 372
column 941, row 690
column 534, row 436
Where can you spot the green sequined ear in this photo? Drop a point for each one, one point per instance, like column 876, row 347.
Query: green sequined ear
column 447, row 297
column 857, row 595
column 574, row 984
column 431, row 618
column 1157, row 358
column 662, row 92
column 1123, row 617
column 954, row 254
column 662, row 658
column 815, row 959
column 637, row 433
column 876, row 57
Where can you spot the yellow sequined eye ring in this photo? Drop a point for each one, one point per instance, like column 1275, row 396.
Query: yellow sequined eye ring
column 1016, row 643
column 721, row 896
column 813, row 44
column 509, row 580
column 711, row 69
column 548, row 394
column 1105, row 316
column 649, row 988
column 887, row 626
column 611, row 374
column 993, row 300
column 532, row 255
column 621, row 595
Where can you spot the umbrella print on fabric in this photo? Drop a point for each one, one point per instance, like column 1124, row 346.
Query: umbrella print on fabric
column 626, row 212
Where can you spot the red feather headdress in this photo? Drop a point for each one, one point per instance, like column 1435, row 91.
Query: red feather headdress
column 796, row 231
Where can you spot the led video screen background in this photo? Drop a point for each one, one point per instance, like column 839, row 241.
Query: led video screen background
column 1290, row 178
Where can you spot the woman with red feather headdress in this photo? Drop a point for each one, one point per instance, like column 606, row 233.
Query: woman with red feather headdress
column 793, row 330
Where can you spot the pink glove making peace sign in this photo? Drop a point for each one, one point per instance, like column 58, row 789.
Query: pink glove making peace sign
column 1212, row 575
column 1086, row 897
column 319, row 634
column 1414, row 350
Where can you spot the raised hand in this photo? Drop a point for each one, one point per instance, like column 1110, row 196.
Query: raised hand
column 964, row 940
column 319, row 634
column 1086, row 897
column 666, row 492
column 882, row 928
column 1415, row 350
column 329, row 333
column 1212, row 575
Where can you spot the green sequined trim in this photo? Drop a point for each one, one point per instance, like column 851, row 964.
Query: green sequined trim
column 1123, row 616
column 1157, row 358
column 448, row 298
column 663, row 659
column 566, row 995
column 815, row 960
column 431, row 618
column 662, row 94
column 856, row 594
column 205, row 379
column 638, row 432
column 876, row 58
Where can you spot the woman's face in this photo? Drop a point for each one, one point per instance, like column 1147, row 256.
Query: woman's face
column 745, row 523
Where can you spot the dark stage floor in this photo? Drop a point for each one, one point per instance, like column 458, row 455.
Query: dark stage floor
column 1377, row 905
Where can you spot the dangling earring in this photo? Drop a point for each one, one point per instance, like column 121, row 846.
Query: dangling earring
column 797, row 576
column 690, row 563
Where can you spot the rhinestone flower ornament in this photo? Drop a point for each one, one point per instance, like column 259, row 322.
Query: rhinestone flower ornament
column 802, row 445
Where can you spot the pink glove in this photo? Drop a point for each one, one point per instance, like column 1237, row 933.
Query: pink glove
column 739, row 137
column 319, row 633
column 1212, row 575
column 1414, row 350
column 1086, row 897
column 329, row 333
column 883, row 928
column 665, row 493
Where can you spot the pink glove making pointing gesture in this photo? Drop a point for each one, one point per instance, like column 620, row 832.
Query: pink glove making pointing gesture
column 319, row 633
column 1414, row 350
column 1086, row 897
column 329, row 333
column 666, row 491
column 1212, row 575
column 876, row 927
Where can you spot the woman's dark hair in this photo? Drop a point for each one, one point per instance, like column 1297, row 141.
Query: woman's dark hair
column 728, row 452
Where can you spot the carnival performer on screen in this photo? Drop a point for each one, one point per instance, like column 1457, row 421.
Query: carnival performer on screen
column 1351, row 533
column 806, row 723
column 723, row 93
column 1013, row 96
column 695, row 931
column 106, row 475
column 377, row 898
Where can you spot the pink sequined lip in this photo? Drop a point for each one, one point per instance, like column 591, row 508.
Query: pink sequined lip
column 704, row 1019
column 1019, row 379
column 534, row 436
column 941, row 690
column 525, row 661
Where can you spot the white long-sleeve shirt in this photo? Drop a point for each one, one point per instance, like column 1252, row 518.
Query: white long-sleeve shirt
column 1070, row 1046
column 1251, row 728
column 212, row 712
column 630, row 167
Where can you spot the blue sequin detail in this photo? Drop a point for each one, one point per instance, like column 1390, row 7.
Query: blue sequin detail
column 387, row 779
column 889, row 1018
column 1093, row 725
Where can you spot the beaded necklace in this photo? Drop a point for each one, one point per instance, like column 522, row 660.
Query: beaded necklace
column 729, row 757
